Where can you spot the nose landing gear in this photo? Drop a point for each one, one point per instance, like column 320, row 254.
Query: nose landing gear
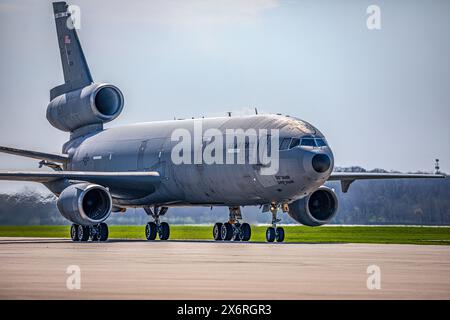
column 233, row 229
column 154, row 228
column 275, row 233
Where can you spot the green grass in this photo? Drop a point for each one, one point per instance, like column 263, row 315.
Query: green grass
column 349, row 234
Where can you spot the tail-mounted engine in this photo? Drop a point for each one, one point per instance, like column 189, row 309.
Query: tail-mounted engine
column 85, row 203
column 93, row 104
column 316, row 209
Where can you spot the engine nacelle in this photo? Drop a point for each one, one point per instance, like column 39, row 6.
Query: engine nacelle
column 316, row 209
column 94, row 104
column 85, row 203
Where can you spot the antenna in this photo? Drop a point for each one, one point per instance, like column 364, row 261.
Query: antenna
column 229, row 113
column 256, row 111
column 436, row 167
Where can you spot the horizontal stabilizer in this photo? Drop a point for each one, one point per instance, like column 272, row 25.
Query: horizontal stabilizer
column 60, row 158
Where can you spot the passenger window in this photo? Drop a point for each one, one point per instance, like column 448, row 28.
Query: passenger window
column 308, row 142
column 294, row 143
column 284, row 143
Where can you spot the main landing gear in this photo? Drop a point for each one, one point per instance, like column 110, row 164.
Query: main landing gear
column 98, row 232
column 275, row 233
column 154, row 228
column 233, row 229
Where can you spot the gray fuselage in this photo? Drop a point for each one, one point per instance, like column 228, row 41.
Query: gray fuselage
column 148, row 147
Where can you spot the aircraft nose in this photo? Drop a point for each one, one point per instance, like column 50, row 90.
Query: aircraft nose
column 321, row 162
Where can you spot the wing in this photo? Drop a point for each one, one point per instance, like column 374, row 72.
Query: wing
column 346, row 178
column 120, row 183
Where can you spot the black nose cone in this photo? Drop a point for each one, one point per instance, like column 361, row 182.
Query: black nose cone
column 321, row 162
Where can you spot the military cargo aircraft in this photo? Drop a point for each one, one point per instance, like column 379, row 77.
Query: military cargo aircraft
column 138, row 166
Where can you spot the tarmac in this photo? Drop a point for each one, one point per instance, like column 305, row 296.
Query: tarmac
column 39, row 268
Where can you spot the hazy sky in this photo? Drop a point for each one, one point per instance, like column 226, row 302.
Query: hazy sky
column 381, row 97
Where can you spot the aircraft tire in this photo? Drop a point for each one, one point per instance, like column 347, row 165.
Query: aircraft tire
column 246, row 232
column 74, row 232
column 270, row 234
column 103, row 232
column 83, row 233
column 217, row 231
column 164, row 231
column 227, row 231
column 151, row 231
column 279, row 234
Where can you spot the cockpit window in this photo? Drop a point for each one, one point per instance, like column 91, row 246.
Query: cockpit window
column 284, row 143
column 321, row 143
column 289, row 143
column 308, row 142
column 294, row 143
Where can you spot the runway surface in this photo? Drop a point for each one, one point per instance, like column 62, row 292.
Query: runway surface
column 34, row 268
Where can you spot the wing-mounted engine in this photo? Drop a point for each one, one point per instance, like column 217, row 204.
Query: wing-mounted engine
column 316, row 209
column 85, row 203
column 93, row 104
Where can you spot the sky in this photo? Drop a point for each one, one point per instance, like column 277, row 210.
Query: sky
column 381, row 97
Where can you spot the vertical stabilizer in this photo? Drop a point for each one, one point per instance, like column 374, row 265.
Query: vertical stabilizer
column 75, row 68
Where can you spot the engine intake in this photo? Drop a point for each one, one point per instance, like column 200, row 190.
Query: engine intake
column 94, row 104
column 85, row 203
column 316, row 209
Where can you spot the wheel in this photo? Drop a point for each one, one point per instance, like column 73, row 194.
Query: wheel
column 270, row 234
column 164, row 231
column 103, row 232
column 217, row 231
column 246, row 232
column 74, row 232
column 227, row 231
column 150, row 231
column 96, row 234
column 83, row 233
column 279, row 234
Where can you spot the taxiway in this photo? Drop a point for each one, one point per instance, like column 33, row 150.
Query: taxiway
column 35, row 268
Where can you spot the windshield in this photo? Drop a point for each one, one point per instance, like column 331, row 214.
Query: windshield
column 313, row 142
column 321, row 143
column 289, row 143
column 308, row 142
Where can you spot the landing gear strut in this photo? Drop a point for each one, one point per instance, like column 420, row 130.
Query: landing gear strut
column 156, row 227
column 98, row 232
column 274, row 233
column 233, row 229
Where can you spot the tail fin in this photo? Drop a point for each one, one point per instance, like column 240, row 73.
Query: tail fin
column 75, row 68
